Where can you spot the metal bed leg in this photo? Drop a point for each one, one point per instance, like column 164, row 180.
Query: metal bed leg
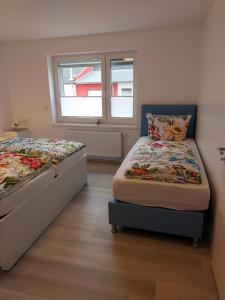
column 195, row 243
column 113, row 228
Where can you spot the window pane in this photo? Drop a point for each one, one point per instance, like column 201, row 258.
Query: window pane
column 81, row 106
column 122, row 88
column 94, row 93
column 122, row 107
column 80, row 89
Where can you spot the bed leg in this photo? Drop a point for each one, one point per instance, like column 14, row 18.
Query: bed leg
column 195, row 243
column 113, row 228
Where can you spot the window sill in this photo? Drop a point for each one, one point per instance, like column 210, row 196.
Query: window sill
column 96, row 127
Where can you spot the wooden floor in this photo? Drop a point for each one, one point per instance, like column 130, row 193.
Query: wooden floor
column 79, row 258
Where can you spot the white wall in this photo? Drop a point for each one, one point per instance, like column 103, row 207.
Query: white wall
column 211, row 128
column 168, row 68
column 5, row 108
column 168, row 71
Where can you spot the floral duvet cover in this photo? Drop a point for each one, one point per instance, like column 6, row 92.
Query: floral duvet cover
column 23, row 158
column 16, row 169
column 167, row 161
column 55, row 149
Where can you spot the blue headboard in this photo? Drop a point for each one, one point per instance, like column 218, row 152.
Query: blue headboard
column 174, row 109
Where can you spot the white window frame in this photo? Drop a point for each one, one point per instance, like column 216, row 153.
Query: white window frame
column 105, row 59
column 67, row 59
column 117, row 120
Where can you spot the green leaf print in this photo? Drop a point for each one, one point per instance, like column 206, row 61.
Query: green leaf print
column 9, row 181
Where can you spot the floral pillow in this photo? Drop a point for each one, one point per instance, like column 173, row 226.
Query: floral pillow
column 167, row 127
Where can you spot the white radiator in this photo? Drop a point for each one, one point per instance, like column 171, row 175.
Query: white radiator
column 99, row 144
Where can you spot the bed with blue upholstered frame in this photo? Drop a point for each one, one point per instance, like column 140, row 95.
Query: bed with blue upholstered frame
column 164, row 220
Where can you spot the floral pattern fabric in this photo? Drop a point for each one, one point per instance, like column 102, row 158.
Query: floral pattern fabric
column 23, row 158
column 167, row 161
column 166, row 127
column 16, row 168
column 54, row 149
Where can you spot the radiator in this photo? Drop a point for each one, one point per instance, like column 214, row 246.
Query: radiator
column 99, row 144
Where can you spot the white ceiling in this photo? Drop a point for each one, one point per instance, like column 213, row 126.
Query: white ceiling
column 37, row 19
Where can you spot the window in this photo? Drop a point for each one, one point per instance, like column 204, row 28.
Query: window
column 126, row 92
column 76, row 101
column 97, row 87
column 121, row 78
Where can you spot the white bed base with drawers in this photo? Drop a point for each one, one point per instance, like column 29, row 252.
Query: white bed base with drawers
column 24, row 224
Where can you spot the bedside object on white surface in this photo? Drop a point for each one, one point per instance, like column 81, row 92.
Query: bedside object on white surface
column 17, row 133
column 15, row 125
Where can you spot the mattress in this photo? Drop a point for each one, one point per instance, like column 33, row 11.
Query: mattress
column 178, row 196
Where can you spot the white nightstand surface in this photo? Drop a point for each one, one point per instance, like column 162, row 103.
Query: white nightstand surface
column 17, row 133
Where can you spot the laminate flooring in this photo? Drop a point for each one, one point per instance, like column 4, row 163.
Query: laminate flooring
column 78, row 257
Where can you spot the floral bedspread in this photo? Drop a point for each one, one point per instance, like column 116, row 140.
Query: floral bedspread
column 55, row 149
column 18, row 168
column 23, row 158
column 168, row 161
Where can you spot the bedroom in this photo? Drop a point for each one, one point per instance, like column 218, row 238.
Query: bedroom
column 178, row 52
